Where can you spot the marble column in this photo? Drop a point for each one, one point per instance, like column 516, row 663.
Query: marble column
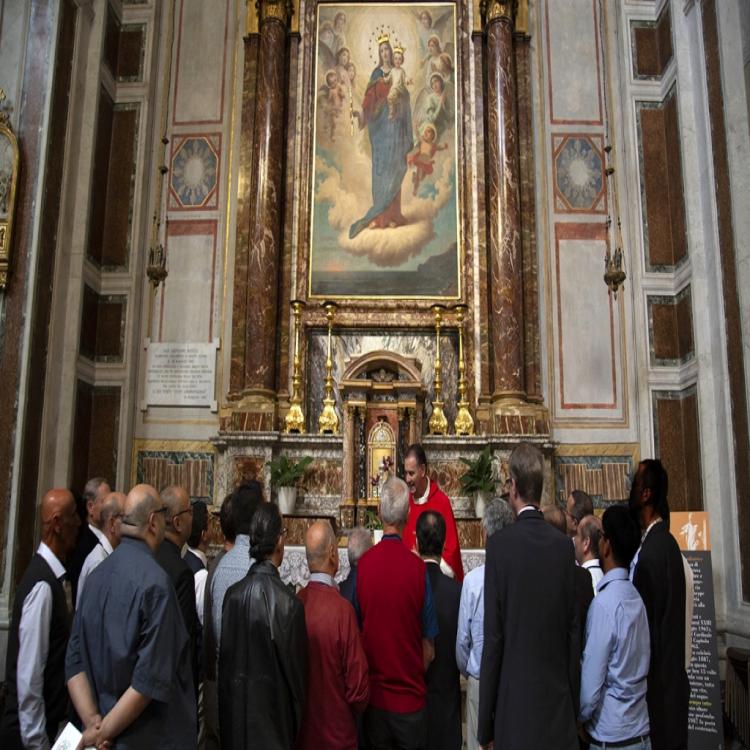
column 266, row 190
column 503, row 208
column 350, row 450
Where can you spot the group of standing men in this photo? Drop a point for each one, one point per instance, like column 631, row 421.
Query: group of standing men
column 563, row 642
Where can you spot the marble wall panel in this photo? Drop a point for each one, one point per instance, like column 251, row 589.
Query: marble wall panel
column 662, row 190
column 606, row 477
column 193, row 470
column 102, row 326
column 350, row 344
column 110, row 217
column 588, row 353
column 131, row 52
column 201, row 48
column 677, row 444
column 95, row 433
column 187, row 300
column 574, row 78
column 671, row 328
column 652, row 45
column 246, row 468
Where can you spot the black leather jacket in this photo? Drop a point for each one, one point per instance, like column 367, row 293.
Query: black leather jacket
column 262, row 663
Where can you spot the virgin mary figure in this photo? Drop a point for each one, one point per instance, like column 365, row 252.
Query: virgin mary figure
column 391, row 140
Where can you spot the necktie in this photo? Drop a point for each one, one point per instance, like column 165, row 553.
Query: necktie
column 64, row 580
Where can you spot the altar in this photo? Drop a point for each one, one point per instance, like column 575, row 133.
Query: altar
column 294, row 570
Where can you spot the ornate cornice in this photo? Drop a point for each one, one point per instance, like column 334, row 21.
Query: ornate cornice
column 274, row 10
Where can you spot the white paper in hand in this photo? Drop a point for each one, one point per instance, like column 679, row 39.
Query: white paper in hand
column 68, row 739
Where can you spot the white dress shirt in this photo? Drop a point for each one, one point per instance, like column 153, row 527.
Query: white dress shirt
column 101, row 552
column 594, row 568
column 470, row 633
column 33, row 649
column 200, row 582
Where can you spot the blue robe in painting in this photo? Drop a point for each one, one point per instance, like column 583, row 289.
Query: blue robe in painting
column 390, row 141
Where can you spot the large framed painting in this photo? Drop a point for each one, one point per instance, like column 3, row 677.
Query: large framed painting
column 385, row 198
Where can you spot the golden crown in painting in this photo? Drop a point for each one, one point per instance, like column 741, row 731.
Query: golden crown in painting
column 383, row 38
column 398, row 48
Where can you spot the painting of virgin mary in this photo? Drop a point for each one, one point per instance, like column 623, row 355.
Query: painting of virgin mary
column 372, row 234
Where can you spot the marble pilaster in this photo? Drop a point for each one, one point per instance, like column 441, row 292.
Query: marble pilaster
column 266, row 191
column 503, row 209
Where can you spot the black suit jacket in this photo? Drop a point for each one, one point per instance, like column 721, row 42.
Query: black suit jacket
column 348, row 587
column 193, row 561
column 660, row 580
column 442, row 678
column 169, row 557
column 530, row 675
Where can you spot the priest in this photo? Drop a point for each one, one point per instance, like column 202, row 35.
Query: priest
column 426, row 495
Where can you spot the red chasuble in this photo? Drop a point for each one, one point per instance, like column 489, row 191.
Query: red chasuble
column 438, row 501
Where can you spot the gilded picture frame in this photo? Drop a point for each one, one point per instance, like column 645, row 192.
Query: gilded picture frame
column 385, row 211
column 9, row 166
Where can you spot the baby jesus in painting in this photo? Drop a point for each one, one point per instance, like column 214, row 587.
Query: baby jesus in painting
column 397, row 77
column 422, row 157
column 331, row 102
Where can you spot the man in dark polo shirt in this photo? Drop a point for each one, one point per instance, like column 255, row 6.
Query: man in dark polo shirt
column 399, row 625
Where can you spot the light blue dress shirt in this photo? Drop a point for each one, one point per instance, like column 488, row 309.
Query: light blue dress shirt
column 232, row 567
column 615, row 662
column 470, row 635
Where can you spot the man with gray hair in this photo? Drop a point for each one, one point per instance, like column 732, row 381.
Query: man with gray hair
column 90, row 534
column 399, row 625
column 337, row 676
column 128, row 663
column 360, row 540
column 111, row 513
column 470, row 636
column 530, row 671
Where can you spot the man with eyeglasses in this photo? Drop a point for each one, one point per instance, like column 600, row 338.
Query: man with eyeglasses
column 263, row 651
column 178, row 525
column 128, row 660
column 108, row 537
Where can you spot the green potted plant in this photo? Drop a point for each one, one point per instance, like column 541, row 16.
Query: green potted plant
column 285, row 473
column 479, row 480
column 374, row 524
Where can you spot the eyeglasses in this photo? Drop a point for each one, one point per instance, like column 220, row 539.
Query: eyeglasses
column 187, row 510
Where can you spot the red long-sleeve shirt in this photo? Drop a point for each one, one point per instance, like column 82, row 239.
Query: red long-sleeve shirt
column 337, row 677
column 438, row 501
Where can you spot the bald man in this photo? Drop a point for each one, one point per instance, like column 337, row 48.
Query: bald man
column 586, row 543
column 178, row 525
column 36, row 700
column 110, row 514
column 337, row 677
column 128, row 664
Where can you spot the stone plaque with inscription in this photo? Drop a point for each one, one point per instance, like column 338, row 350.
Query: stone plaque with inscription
column 181, row 374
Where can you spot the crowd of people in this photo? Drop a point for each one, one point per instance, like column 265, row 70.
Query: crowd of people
column 572, row 634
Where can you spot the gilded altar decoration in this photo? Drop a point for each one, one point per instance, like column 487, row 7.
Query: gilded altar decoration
column 464, row 424
column 328, row 422
column 295, row 418
column 9, row 163
column 438, row 423
column 385, row 188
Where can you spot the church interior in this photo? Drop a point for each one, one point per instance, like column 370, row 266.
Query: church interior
column 218, row 255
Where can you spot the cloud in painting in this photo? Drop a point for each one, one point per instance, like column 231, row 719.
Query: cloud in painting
column 346, row 190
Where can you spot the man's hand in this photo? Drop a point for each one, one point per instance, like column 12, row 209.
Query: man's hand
column 92, row 736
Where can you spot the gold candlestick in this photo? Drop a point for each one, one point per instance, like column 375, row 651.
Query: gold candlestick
column 328, row 422
column 295, row 418
column 464, row 424
column 438, row 423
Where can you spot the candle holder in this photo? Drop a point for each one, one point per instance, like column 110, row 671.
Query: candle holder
column 464, row 424
column 328, row 422
column 295, row 417
column 438, row 424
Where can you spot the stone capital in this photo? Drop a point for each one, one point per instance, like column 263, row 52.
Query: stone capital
column 498, row 10
column 277, row 10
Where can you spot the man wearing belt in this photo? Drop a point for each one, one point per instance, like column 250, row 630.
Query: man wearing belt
column 615, row 664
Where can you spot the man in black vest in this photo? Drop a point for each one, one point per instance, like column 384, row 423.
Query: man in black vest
column 659, row 576
column 442, row 676
column 37, row 701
